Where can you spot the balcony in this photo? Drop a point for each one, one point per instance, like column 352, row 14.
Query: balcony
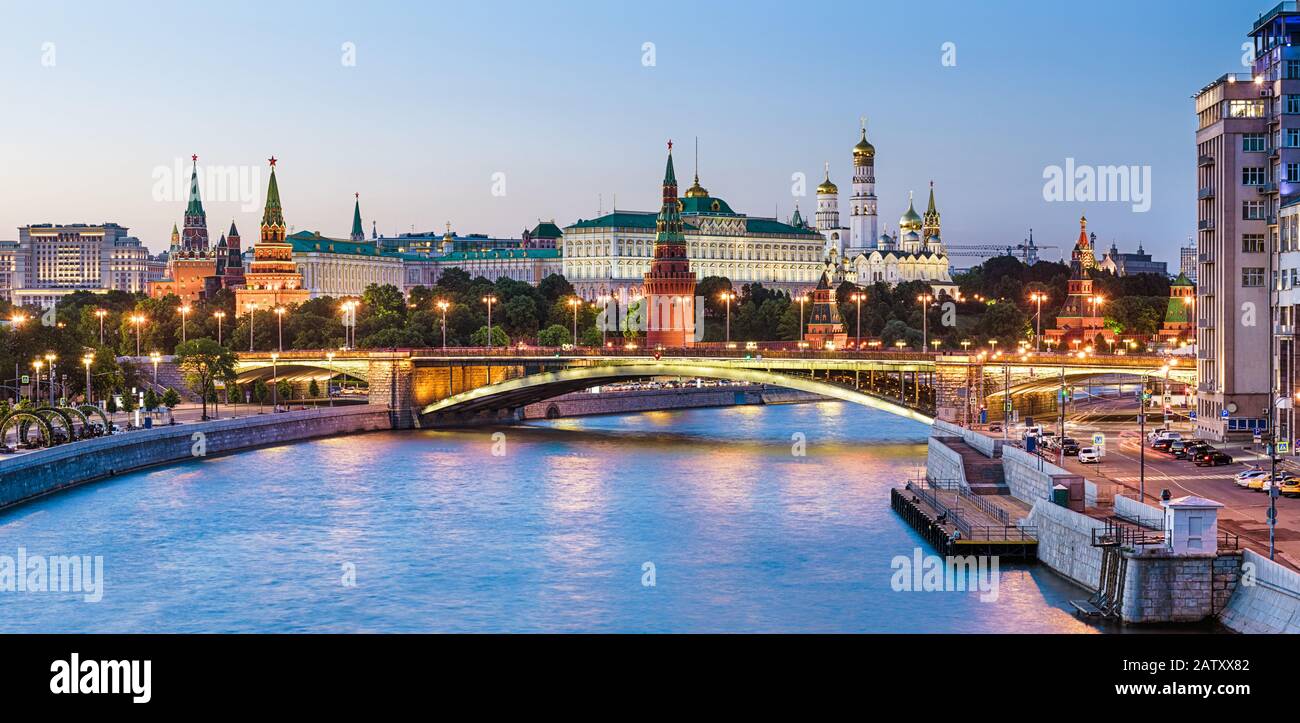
column 1205, row 161
column 1267, row 188
column 1204, row 324
column 1204, row 193
column 1206, row 224
column 1283, row 330
column 1205, row 258
column 1270, row 220
column 1206, row 387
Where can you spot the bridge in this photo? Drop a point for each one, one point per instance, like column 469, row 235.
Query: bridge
column 434, row 387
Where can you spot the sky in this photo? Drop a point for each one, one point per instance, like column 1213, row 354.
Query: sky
column 492, row 115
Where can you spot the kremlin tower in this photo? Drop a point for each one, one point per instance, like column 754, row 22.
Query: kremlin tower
column 194, row 270
column 827, row 216
column 670, row 284
column 194, row 235
column 1080, row 321
column 862, row 222
column 273, row 280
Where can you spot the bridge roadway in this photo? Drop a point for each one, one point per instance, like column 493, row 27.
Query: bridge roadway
column 434, row 387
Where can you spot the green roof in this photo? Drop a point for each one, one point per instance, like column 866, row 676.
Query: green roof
column 646, row 220
column 706, row 205
column 195, row 207
column 1177, row 312
column 546, row 229
column 357, row 231
column 313, row 242
column 1182, row 280
column 273, row 215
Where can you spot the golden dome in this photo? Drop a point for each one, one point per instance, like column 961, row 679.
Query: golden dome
column 826, row 185
column 911, row 220
column 864, row 150
column 696, row 190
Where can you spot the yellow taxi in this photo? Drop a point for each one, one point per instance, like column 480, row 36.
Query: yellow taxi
column 1290, row 487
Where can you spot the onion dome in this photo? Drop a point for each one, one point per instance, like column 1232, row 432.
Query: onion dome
column 826, row 186
column 696, row 190
column 911, row 220
column 864, row 150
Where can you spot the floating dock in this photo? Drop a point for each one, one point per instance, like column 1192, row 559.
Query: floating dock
column 956, row 523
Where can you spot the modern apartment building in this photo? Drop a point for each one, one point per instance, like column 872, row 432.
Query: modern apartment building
column 8, row 252
column 1276, row 39
column 1187, row 265
column 1233, row 146
column 52, row 261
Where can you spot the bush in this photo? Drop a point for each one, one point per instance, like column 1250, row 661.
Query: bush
column 554, row 335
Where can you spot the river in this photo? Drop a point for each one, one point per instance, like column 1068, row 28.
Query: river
column 688, row 521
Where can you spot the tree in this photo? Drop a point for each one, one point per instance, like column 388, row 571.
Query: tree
column 284, row 391
column 480, row 337
column 313, row 389
column 203, row 361
column 554, row 335
column 170, row 399
column 111, row 406
column 151, row 401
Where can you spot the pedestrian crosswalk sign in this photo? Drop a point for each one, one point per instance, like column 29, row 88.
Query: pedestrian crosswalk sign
column 1282, row 447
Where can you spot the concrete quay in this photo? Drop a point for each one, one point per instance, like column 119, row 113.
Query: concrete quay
column 28, row 476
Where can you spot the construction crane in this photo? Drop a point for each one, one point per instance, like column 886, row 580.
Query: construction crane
column 1026, row 250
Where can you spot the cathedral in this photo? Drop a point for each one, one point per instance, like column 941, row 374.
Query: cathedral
column 863, row 255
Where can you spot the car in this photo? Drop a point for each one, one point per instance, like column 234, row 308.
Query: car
column 1089, row 455
column 1212, row 458
column 1277, row 479
column 1245, row 478
column 1290, row 488
column 1162, row 445
column 995, row 427
column 1069, row 447
column 1191, row 449
column 1165, row 436
column 1256, row 483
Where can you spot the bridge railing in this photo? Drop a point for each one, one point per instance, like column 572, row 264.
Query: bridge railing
column 534, row 352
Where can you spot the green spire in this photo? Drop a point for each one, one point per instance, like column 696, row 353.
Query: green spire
column 929, row 210
column 273, row 215
column 668, row 227
column 196, row 204
column 358, row 233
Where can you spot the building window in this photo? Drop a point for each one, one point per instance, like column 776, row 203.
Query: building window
column 1253, row 142
column 1252, row 243
column 1245, row 109
column 1252, row 210
column 1252, row 176
column 1252, row 277
column 1293, row 70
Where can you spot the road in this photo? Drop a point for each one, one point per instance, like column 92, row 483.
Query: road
column 1244, row 512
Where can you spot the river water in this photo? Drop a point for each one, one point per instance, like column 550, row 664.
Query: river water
column 688, row 521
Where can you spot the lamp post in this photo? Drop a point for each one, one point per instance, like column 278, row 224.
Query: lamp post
column 101, row 313
column 251, row 307
column 275, row 383
column 329, row 383
column 346, row 308
column 220, row 315
column 87, row 360
column 575, row 302
column 442, row 306
column 137, row 319
column 803, row 299
column 49, row 359
column 1038, row 298
column 279, row 325
column 36, row 390
column 726, row 297
column 857, row 297
column 1096, row 300
column 17, row 320
column 185, row 315
column 925, row 300
column 489, row 300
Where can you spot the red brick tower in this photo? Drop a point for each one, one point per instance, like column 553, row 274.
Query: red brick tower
column 670, row 284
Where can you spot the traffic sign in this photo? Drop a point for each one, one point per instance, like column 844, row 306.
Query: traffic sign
column 27, row 379
column 1282, row 447
column 1099, row 439
column 1224, row 414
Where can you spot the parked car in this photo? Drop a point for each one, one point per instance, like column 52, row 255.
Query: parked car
column 1278, row 479
column 1089, row 455
column 1162, row 445
column 1069, row 447
column 1160, row 434
column 1245, row 478
column 1290, row 488
column 1191, row 449
column 1212, row 458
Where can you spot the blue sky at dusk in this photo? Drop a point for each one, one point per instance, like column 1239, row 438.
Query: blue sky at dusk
column 555, row 97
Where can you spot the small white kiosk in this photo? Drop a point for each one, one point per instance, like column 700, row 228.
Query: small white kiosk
column 1192, row 526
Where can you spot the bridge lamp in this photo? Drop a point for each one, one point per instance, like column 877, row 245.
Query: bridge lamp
column 489, row 300
column 727, row 297
column 329, row 383
column 936, row 344
column 803, row 299
column 574, row 303
column 900, row 343
column 279, row 320
column 275, row 382
column 993, row 345
column 965, row 344
column 443, row 305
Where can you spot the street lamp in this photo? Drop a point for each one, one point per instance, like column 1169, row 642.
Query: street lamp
column 137, row 319
column 925, row 300
column 348, row 322
column 965, row 344
column 1038, row 297
column 575, row 302
column 443, row 306
column 489, row 300
column 87, row 360
column 279, row 323
column 856, row 297
column 251, row 307
column 101, row 313
column 329, row 383
column 185, row 315
column 155, row 357
column 17, row 320
column 726, row 297
column 803, row 299
column 275, row 383
column 36, row 390
column 49, row 359
column 1096, row 300
column 993, row 347
column 220, row 315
